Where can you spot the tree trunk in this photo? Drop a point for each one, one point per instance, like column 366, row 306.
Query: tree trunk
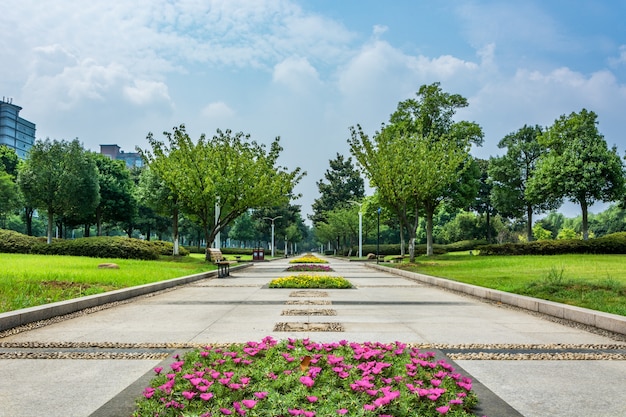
column 28, row 219
column 583, row 206
column 488, row 226
column 175, row 252
column 429, row 230
column 401, row 240
column 50, row 225
column 87, row 227
column 529, row 225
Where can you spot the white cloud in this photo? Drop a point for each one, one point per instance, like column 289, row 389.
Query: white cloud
column 297, row 74
column 143, row 92
column 218, row 111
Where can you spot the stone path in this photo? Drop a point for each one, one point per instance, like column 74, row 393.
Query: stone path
column 96, row 364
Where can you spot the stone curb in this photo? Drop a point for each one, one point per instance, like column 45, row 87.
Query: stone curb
column 24, row 316
column 605, row 321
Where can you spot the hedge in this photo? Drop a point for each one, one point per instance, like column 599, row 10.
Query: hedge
column 610, row 244
column 96, row 247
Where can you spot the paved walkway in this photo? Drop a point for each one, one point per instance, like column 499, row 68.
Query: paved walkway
column 95, row 364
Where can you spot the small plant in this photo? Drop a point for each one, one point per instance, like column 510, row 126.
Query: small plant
column 555, row 277
column 303, row 378
column 308, row 259
column 310, row 281
column 309, row 268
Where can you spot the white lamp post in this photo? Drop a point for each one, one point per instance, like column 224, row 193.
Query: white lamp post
column 360, row 227
column 272, row 219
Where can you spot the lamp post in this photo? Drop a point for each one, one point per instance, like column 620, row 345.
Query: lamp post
column 360, row 227
column 272, row 219
column 378, row 237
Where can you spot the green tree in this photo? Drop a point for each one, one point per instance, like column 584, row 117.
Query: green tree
column 117, row 199
column 483, row 204
column 511, row 173
column 539, row 233
column 9, row 197
column 60, row 178
column 416, row 161
column 216, row 180
column 578, row 165
column 244, row 229
column 9, row 162
column 344, row 184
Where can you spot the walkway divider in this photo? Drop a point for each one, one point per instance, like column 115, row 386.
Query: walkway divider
column 601, row 320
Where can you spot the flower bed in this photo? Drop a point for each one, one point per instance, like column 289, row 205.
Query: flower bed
column 308, row 259
column 299, row 377
column 309, row 268
column 310, row 281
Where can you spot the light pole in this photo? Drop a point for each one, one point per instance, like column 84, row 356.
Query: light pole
column 272, row 219
column 360, row 227
column 378, row 237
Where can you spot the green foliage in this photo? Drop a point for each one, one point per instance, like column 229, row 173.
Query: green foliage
column 310, row 281
column 539, row 233
column 609, row 244
column 463, row 245
column 394, row 249
column 567, row 233
column 14, row 242
column 345, row 184
column 97, row 247
column 578, row 166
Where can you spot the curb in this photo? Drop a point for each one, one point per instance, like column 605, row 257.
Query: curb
column 605, row 321
column 24, row 316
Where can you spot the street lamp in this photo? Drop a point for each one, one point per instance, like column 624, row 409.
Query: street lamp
column 378, row 238
column 360, row 227
column 272, row 219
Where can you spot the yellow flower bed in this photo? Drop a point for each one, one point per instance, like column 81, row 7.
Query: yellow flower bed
column 308, row 259
column 310, row 281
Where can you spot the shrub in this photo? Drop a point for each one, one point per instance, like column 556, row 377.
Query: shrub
column 14, row 242
column 96, row 247
column 463, row 245
column 610, row 244
column 394, row 249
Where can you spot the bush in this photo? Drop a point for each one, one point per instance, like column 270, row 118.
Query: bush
column 389, row 250
column 96, row 247
column 464, row 245
column 610, row 244
column 14, row 242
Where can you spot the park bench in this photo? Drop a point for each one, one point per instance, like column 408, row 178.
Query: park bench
column 223, row 266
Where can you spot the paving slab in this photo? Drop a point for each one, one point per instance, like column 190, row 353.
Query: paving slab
column 125, row 341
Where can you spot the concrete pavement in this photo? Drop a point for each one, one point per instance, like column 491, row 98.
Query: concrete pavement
column 95, row 364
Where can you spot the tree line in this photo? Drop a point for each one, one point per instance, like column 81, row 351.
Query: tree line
column 420, row 166
column 207, row 184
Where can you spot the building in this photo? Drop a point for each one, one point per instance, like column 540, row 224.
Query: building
column 15, row 132
column 132, row 159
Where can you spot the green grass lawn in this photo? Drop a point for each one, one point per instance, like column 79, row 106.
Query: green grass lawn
column 31, row 280
column 591, row 281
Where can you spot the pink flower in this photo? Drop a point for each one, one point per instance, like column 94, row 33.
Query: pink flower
column 342, row 411
column 309, row 414
column 189, row 395
column 260, row 395
column 248, row 403
column 295, row 412
column 158, row 369
column 206, row 396
column 226, row 411
column 307, row 381
column 148, row 392
column 369, row 407
column 443, row 410
column 311, row 398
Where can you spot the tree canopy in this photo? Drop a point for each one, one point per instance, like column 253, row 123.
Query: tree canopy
column 228, row 172
column 578, row 165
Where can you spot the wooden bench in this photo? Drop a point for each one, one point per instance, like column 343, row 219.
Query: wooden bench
column 223, row 266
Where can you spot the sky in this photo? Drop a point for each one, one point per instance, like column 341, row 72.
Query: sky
column 112, row 71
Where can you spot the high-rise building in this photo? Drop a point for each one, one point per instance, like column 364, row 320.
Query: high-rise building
column 15, row 132
column 132, row 159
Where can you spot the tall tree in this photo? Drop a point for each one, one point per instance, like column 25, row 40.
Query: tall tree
column 578, row 165
column 9, row 161
column 60, row 178
column 417, row 159
column 483, row 204
column 511, row 173
column 216, row 180
column 117, row 199
column 344, row 184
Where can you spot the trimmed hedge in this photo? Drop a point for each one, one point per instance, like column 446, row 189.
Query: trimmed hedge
column 394, row 249
column 96, row 247
column 610, row 244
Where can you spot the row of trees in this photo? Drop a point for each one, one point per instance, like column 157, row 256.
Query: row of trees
column 206, row 185
column 421, row 168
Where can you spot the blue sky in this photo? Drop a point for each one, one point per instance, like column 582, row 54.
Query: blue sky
column 306, row 70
